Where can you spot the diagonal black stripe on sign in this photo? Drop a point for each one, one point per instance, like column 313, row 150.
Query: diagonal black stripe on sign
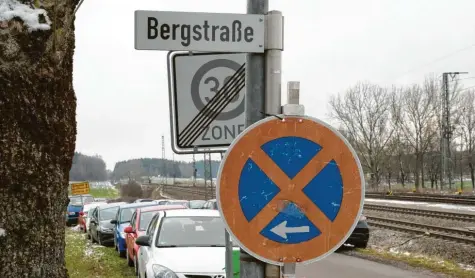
column 211, row 104
column 235, row 92
column 209, row 110
column 212, row 111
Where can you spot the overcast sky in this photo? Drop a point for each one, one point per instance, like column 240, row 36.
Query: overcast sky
column 122, row 93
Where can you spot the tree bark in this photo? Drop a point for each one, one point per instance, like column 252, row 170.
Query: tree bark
column 37, row 141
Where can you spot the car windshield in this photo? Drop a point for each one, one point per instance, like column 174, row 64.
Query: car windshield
column 108, row 213
column 197, row 204
column 145, row 218
column 80, row 200
column 183, row 203
column 192, row 231
column 126, row 214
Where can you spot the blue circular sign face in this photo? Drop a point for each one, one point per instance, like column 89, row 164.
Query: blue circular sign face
column 291, row 154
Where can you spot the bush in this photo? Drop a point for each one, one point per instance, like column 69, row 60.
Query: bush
column 131, row 189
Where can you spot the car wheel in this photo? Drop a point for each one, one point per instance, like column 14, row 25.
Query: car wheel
column 361, row 245
column 130, row 262
column 99, row 241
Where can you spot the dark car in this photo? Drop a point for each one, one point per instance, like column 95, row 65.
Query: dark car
column 211, row 204
column 196, row 204
column 75, row 206
column 101, row 228
column 122, row 220
column 360, row 236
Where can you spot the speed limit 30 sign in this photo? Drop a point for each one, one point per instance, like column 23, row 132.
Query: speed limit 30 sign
column 206, row 100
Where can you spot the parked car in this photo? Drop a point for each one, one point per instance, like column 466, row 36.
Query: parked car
column 75, row 206
column 122, row 220
column 144, row 200
column 83, row 218
column 183, row 243
column 162, row 201
column 211, row 204
column 197, row 204
column 101, row 229
column 138, row 224
column 360, row 236
column 179, row 202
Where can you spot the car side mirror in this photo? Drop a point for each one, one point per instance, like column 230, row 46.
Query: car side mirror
column 113, row 221
column 128, row 230
column 142, row 241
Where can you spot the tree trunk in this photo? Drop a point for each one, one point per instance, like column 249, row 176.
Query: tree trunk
column 37, row 140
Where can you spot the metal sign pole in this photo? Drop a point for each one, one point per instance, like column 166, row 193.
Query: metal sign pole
column 288, row 271
column 254, row 108
column 229, row 255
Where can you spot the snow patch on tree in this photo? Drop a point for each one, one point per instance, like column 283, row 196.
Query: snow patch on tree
column 2, row 232
column 30, row 16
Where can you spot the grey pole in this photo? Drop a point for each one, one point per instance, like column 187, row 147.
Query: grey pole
column 254, row 107
column 229, row 255
column 273, row 74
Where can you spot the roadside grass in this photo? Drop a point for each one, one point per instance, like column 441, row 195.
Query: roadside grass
column 104, row 192
column 85, row 260
column 434, row 264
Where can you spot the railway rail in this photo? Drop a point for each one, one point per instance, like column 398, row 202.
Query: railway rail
column 459, row 200
column 423, row 212
column 453, row 234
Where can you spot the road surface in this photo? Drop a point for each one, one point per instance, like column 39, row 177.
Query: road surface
column 343, row 266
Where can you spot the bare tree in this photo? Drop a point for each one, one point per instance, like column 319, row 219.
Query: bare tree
column 418, row 122
column 467, row 129
column 363, row 111
column 38, row 134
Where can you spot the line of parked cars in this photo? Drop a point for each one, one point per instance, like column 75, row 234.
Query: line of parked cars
column 167, row 238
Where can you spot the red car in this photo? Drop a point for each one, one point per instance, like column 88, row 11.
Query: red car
column 138, row 225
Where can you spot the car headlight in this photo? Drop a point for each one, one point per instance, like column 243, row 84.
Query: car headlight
column 362, row 218
column 162, row 272
column 71, row 213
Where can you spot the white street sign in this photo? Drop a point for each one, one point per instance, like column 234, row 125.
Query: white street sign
column 206, row 100
column 220, row 32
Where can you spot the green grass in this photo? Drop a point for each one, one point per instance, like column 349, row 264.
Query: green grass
column 434, row 264
column 85, row 260
column 104, row 192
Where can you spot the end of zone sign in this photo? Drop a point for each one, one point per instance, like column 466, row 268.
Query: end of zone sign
column 220, row 32
column 290, row 190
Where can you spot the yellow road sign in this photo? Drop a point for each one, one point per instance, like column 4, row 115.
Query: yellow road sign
column 80, row 188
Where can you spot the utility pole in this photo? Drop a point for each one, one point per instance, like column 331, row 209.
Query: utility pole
column 446, row 130
column 205, row 170
column 263, row 97
column 194, row 170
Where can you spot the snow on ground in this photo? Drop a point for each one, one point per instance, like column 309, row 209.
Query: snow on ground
column 30, row 15
column 423, row 204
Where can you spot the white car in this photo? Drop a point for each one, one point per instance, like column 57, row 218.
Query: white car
column 182, row 243
column 87, row 208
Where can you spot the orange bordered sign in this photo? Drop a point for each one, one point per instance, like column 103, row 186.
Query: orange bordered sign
column 290, row 190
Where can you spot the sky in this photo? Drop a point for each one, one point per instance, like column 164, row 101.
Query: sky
column 122, row 93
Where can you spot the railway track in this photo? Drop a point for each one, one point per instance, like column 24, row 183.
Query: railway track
column 423, row 212
column 453, row 234
column 459, row 200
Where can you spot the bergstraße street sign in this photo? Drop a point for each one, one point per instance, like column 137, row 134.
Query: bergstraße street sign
column 206, row 100
column 219, row 32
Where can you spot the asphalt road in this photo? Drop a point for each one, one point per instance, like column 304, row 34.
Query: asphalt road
column 343, row 266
